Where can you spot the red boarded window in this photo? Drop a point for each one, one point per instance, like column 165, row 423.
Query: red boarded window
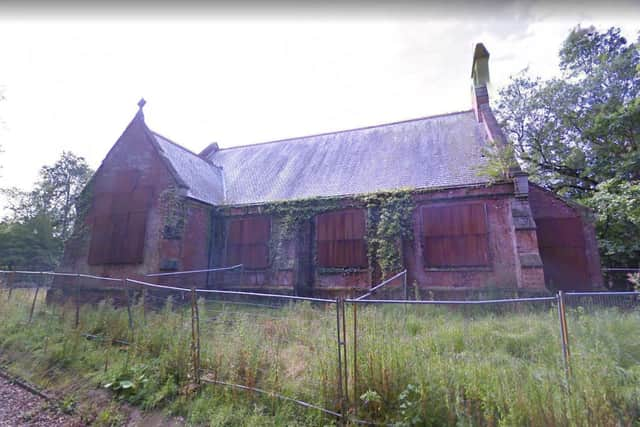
column 119, row 227
column 340, row 239
column 248, row 242
column 455, row 235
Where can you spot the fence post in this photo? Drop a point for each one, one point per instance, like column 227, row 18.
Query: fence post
column 566, row 355
column 405, row 286
column 355, row 353
column 343, row 382
column 125, row 290
column 144, row 304
column 33, row 304
column 340, row 342
column 195, row 336
column 10, row 284
column 344, row 350
column 77, row 300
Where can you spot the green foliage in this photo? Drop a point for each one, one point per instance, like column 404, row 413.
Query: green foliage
column 417, row 365
column 84, row 200
column 574, row 132
column 42, row 219
column 128, row 382
column 293, row 214
column 410, row 411
column 68, row 404
column 388, row 223
column 371, row 404
column 500, row 161
column 2, row 98
column 54, row 195
column 29, row 244
column 109, row 417
column 173, row 210
column 579, row 134
column 617, row 204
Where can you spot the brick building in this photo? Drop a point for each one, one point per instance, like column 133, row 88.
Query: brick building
column 329, row 213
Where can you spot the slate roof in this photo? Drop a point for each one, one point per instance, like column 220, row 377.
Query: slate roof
column 203, row 180
column 435, row 151
column 430, row 152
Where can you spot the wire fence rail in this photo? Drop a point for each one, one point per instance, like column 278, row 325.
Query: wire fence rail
column 342, row 358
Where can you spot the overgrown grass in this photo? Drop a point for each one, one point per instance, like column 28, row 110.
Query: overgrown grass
column 416, row 365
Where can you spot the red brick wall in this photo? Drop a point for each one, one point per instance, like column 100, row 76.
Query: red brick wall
column 132, row 152
column 190, row 250
column 501, row 271
column 295, row 270
column 546, row 207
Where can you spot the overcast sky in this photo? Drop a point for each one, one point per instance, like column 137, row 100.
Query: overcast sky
column 72, row 81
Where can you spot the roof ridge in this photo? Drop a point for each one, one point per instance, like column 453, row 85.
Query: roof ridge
column 342, row 131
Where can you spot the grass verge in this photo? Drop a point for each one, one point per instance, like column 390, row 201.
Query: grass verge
column 417, row 365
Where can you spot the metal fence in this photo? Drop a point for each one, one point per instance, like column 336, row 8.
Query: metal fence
column 347, row 359
column 618, row 278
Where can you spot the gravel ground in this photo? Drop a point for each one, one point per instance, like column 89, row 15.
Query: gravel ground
column 19, row 407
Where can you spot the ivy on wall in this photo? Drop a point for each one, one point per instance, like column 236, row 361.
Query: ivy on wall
column 172, row 209
column 293, row 214
column 388, row 223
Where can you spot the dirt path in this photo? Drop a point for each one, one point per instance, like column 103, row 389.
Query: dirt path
column 19, row 407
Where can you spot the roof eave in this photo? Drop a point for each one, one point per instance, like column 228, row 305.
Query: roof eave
column 478, row 184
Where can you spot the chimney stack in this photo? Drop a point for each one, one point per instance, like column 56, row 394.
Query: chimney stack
column 211, row 148
column 480, row 79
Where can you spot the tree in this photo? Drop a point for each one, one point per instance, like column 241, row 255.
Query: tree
column 617, row 204
column 579, row 135
column 59, row 188
column 54, row 196
column 29, row 244
column 581, row 129
column 2, row 98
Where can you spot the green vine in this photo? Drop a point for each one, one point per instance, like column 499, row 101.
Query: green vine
column 293, row 214
column 173, row 211
column 388, row 223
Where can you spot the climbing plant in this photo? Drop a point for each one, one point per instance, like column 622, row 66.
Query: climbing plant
column 388, row 222
column 293, row 214
column 173, row 210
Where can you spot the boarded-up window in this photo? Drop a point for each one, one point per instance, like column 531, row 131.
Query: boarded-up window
column 455, row 235
column 248, row 242
column 340, row 239
column 119, row 227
